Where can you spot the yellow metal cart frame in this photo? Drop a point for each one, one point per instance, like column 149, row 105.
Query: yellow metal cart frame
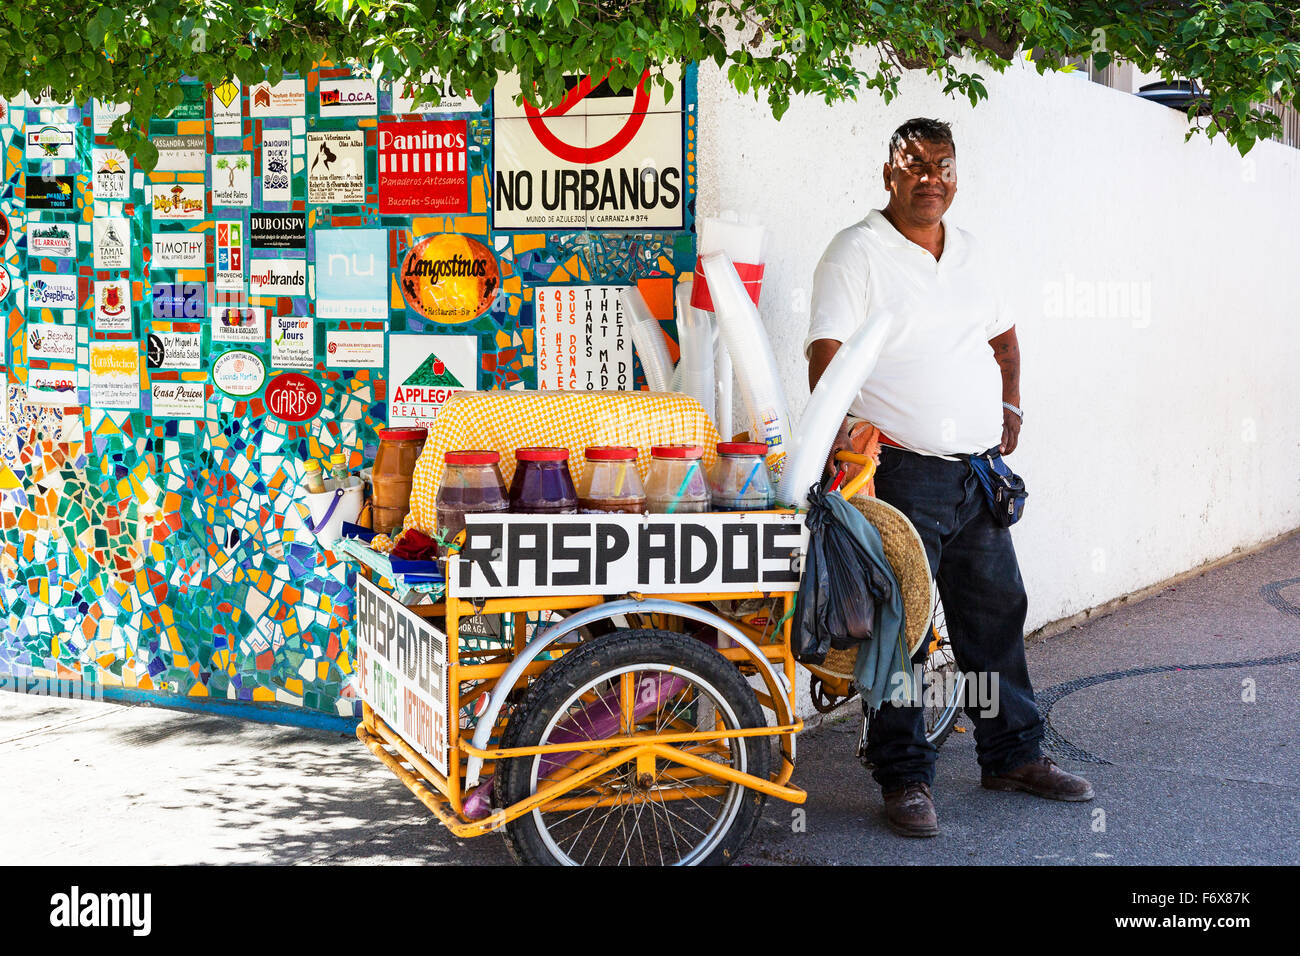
column 758, row 651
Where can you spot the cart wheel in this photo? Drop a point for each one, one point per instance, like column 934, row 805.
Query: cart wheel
column 940, row 665
column 655, row 812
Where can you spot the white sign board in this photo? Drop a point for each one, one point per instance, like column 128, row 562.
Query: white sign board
column 354, row 349
column 276, row 166
column 583, row 342
column 402, row 671
column 426, row 370
column 286, row 98
column 597, row 160
column 336, row 167
column 513, row 555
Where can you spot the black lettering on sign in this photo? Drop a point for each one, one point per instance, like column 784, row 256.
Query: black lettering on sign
column 437, row 652
column 423, row 654
column 775, row 552
column 388, row 646
column 365, row 608
column 401, row 659
column 534, row 552
column 581, row 576
column 664, row 551
column 482, row 544
column 739, row 565
column 611, row 544
column 690, row 534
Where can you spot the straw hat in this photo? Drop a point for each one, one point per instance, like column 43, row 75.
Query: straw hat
column 906, row 556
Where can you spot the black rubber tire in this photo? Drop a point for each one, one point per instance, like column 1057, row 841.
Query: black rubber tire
column 587, row 663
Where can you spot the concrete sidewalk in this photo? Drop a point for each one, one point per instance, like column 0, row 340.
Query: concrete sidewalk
column 1147, row 702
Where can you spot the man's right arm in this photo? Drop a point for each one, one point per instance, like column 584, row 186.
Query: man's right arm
column 820, row 353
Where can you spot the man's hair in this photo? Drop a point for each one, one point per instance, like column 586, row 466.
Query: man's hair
column 929, row 130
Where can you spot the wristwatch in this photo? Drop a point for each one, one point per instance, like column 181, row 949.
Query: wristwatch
column 1009, row 407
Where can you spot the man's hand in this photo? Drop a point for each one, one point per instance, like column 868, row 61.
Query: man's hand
column 841, row 443
column 1010, row 431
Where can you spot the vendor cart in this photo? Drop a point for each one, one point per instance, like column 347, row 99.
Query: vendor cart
column 593, row 728
column 601, row 689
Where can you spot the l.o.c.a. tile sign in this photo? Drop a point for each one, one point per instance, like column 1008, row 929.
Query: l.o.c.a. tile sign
column 154, row 543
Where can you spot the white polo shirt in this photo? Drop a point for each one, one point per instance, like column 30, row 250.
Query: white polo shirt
column 936, row 389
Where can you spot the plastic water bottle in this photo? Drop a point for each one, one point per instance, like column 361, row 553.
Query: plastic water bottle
column 339, row 470
column 312, row 478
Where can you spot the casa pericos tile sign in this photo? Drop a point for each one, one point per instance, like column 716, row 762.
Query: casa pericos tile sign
column 310, row 261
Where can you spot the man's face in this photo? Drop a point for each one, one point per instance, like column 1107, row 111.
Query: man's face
column 922, row 181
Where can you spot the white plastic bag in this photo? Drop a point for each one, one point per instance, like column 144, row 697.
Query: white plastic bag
column 694, row 375
column 751, row 355
column 648, row 339
column 722, row 376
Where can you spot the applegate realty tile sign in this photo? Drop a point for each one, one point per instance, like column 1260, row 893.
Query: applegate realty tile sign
column 512, row 555
column 597, row 160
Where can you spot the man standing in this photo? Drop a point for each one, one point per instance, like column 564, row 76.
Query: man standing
column 946, row 387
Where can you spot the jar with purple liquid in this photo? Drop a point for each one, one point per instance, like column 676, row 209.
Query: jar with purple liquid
column 471, row 483
column 542, row 484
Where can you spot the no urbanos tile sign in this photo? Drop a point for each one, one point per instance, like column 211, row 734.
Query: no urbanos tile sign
column 597, row 160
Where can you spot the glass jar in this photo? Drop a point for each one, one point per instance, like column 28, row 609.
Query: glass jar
column 471, row 484
column 676, row 482
column 399, row 449
column 740, row 480
column 610, row 483
column 542, row 484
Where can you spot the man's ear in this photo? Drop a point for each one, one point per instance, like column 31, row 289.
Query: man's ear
column 886, row 175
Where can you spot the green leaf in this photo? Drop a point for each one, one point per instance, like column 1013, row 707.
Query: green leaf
column 146, row 154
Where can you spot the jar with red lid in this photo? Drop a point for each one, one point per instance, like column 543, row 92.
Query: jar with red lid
column 399, row 448
column 542, row 484
column 610, row 483
column 676, row 483
column 471, row 484
column 740, row 480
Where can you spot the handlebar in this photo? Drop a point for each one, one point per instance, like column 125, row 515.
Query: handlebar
column 856, row 484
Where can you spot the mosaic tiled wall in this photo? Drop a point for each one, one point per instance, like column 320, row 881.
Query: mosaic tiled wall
column 160, row 550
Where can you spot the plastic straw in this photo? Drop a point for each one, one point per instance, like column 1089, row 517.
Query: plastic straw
column 745, row 486
column 690, row 472
column 622, row 476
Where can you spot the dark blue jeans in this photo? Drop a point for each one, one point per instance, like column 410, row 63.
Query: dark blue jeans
column 974, row 563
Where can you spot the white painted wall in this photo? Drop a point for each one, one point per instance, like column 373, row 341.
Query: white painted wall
column 1155, row 440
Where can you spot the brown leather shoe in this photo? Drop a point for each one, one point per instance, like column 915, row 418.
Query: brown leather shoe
column 1042, row 778
column 909, row 811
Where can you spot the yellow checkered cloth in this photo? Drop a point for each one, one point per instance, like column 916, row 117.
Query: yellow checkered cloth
column 503, row 421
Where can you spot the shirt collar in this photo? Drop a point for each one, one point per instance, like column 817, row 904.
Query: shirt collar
column 882, row 227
